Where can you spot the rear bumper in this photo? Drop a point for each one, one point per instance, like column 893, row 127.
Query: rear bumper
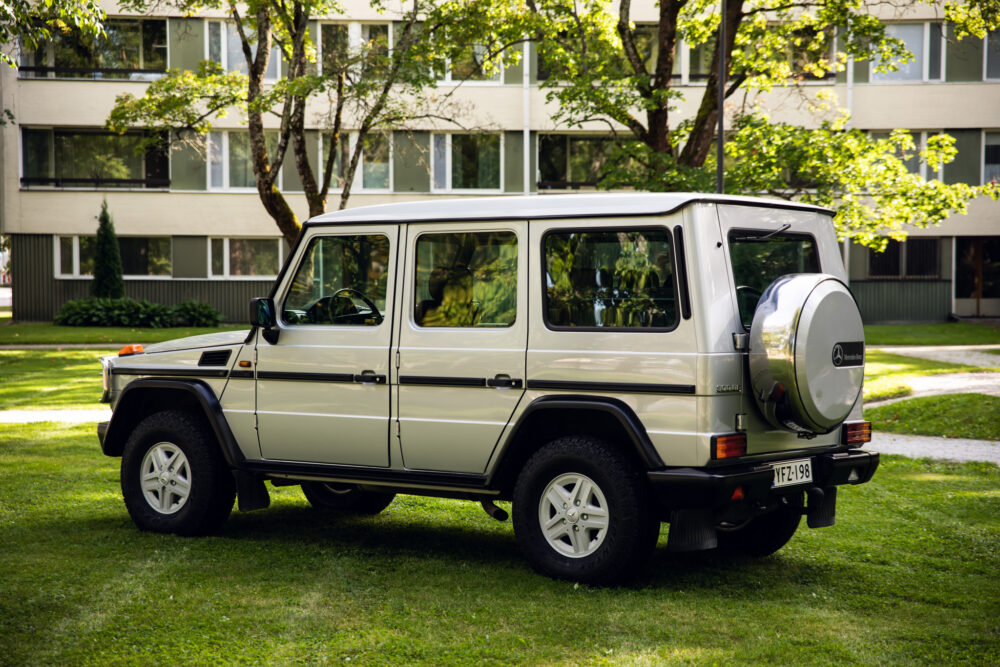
column 686, row 488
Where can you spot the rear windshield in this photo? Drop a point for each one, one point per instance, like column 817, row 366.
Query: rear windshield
column 759, row 258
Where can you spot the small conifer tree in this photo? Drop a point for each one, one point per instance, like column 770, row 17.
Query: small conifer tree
column 107, row 259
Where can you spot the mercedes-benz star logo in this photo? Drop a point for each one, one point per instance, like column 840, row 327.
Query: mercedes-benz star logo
column 838, row 355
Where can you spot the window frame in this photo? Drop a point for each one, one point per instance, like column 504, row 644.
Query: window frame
column 982, row 155
column 448, row 165
column 924, row 60
column 277, row 57
column 986, row 55
column 449, row 79
column 354, row 36
column 903, row 250
column 224, row 156
column 76, row 275
column 612, row 229
column 226, row 275
column 582, row 186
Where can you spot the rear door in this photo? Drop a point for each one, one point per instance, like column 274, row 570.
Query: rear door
column 462, row 340
column 322, row 389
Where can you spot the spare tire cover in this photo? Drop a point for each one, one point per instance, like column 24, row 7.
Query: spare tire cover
column 807, row 352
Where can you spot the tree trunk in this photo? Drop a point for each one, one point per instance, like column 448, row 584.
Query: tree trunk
column 702, row 137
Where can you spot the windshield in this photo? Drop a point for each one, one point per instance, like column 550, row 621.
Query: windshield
column 759, row 258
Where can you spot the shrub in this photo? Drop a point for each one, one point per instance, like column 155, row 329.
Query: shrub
column 196, row 314
column 107, row 281
column 114, row 313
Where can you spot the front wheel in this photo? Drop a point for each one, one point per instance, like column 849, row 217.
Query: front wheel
column 173, row 476
column 345, row 498
column 582, row 511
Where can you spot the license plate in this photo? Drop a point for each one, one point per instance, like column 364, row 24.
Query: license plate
column 792, row 472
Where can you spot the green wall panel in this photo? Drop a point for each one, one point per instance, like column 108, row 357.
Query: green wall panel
column 860, row 71
column 411, row 161
column 514, row 73
column 513, row 162
column 186, row 43
column 290, row 180
column 966, row 167
column 884, row 301
column 963, row 59
column 190, row 256
column 188, row 170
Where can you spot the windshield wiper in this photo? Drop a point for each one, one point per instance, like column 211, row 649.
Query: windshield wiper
column 750, row 236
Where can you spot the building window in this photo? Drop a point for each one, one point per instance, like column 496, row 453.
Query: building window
column 134, row 49
column 916, row 258
column 142, row 256
column 473, row 64
column 992, row 64
column 911, row 159
column 466, row 280
column 616, row 279
column 991, row 157
column 245, row 258
column 230, row 161
column 226, row 48
column 700, row 60
column 567, row 161
column 924, row 41
column 977, row 273
column 809, row 48
column 374, row 170
column 467, row 162
column 91, row 158
column 339, row 40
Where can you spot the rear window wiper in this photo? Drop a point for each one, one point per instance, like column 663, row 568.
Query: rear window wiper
column 752, row 236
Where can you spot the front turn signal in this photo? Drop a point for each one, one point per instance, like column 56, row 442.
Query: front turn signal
column 856, row 433
column 129, row 350
column 729, row 446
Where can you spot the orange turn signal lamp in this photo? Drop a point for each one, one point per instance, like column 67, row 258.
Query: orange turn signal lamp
column 856, row 433
column 729, row 446
column 129, row 350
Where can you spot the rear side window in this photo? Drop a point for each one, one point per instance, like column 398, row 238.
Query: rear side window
column 466, row 280
column 610, row 279
column 759, row 258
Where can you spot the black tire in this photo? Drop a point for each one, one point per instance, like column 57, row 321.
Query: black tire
column 345, row 498
column 765, row 534
column 631, row 529
column 211, row 489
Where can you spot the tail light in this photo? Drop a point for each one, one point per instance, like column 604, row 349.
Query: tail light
column 856, row 433
column 729, row 446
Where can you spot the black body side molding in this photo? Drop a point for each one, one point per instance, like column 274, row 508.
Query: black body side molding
column 128, row 410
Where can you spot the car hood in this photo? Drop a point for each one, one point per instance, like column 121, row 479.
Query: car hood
column 204, row 340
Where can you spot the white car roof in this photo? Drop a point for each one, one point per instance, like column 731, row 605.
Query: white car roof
column 544, row 206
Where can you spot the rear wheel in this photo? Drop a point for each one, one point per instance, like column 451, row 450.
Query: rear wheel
column 582, row 511
column 345, row 498
column 765, row 534
column 173, row 477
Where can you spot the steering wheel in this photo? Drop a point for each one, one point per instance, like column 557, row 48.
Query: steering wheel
column 361, row 295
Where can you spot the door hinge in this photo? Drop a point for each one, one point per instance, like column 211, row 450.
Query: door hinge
column 397, row 429
column 397, row 358
column 255, row 421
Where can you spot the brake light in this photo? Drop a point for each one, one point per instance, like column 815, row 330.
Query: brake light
column 737, row 493
column 856, row 433
column 129, row 350
column 729, row 446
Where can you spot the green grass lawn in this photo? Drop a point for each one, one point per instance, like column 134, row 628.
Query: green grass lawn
column 45, row 333
column 907, row 576
column 949, row 333
column 886, row 375
column 50, row 379
column 950, row 416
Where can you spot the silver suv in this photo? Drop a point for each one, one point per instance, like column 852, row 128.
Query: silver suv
column 605, row 362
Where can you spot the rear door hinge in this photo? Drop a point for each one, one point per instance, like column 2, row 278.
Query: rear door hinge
column 397, row 358
column 741, row 341
column 397, row 429
column 255, row 421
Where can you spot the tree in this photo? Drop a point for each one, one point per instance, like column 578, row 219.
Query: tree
column 108, row 270
column 35, row 22
column 607, row 69
column 372, row 85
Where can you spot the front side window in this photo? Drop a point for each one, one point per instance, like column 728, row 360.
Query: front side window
column 90, row 158
column 466, row 161
column 466, row 280
column 759, row 258
column 341, row 281
column 621, row 279
column 245, row 258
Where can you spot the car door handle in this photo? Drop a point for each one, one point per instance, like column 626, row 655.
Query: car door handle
column 504, row 381
column 369, row 377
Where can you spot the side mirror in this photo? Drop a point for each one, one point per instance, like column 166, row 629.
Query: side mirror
column 262, row 315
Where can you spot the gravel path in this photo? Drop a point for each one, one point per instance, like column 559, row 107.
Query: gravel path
column 922, row 446
column 950, row 383
column 970, row 355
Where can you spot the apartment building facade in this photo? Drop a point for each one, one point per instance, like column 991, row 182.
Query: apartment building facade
column 191, row 225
